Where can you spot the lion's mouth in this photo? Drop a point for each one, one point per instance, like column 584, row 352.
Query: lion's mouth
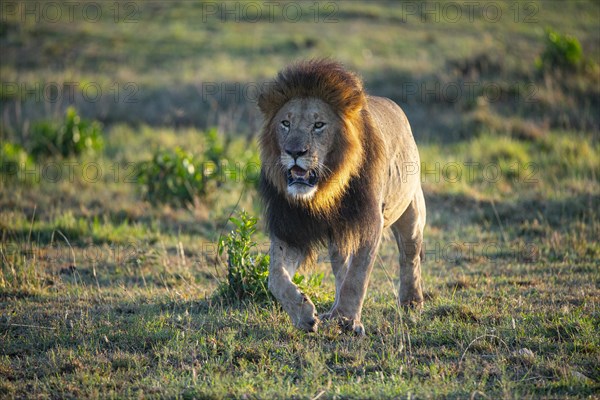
column 299, row 176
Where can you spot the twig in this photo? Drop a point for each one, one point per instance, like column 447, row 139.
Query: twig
column 70, row 247
column 31, row 225
column 533, row 378
column 389, row 278
column 32, row 326
column 478, row 392
column 475, row 340
column 499, row 222
column 321, row 393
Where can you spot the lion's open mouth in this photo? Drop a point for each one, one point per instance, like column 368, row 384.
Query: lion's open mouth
column 300, row 176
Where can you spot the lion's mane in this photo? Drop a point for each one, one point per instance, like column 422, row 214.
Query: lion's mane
column 342, row 207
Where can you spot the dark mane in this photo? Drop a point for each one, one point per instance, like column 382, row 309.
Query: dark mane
column 323, row 79
column 346, row 210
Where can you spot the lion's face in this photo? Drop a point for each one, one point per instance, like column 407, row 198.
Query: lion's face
column 305, row 129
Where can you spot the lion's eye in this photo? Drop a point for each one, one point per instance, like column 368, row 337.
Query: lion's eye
column 319, row 125
column 285, row 123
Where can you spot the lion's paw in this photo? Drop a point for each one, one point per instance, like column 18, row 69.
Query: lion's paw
column 412, row 305
column 309, row 325
column 352, row 325
column 307, row 319
column 347, row 324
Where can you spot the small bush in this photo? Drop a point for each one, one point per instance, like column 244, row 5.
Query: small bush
column 310, row 285
column 233, row 161
column 14, row 160
column 215, row 147
column 247, row 271
column 73, row 136
column 173, row 176
column 179, row 177
column 562, row 51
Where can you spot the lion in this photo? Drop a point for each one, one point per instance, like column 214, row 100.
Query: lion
column 338, row 166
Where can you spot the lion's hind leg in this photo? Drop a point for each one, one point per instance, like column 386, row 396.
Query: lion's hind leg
column 408, row 231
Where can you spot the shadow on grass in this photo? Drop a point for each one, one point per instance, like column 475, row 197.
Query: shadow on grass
column 450, row 95
column 501, row 214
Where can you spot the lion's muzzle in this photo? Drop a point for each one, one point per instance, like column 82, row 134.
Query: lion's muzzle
column 300, row 176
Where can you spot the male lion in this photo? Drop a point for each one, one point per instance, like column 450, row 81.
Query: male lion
column 338, row 166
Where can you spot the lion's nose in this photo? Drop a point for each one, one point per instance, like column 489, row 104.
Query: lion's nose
column 295, row 153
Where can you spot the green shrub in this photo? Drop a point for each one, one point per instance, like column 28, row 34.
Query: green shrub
column 173, row 176
column 214, row 149
column 179, row 177
column 73, row 136
column 311, row 285
column 236, row 161
column 247, row 270
column 14, row 161
column 562, row 51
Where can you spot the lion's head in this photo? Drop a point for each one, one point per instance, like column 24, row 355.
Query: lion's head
column 312, row 143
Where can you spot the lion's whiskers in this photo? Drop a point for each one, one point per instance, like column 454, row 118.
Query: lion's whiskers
column 323, row 169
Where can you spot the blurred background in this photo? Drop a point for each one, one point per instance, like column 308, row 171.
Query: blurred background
column 522, row 68
column 517, row 75
column 128, row 139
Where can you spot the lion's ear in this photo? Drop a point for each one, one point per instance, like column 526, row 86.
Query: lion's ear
column 263, row 103
column 268, row 98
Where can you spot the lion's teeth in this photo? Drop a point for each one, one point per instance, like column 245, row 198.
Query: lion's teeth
column 299, row 173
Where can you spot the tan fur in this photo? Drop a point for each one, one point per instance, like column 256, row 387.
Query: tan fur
column 360, row 158
column 343, row 92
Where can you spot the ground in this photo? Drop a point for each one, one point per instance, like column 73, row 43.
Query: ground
column 106, row 294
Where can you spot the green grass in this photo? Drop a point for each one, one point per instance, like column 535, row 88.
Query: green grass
column 105, row 295
column 127, row 306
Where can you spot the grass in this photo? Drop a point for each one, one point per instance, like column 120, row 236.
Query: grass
column 126, row 307
column 105, row 295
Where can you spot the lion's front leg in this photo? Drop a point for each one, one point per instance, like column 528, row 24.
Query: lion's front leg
column 284, row 262
column 351, row 291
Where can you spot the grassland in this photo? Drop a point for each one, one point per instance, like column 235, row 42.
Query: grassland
column 104, row 294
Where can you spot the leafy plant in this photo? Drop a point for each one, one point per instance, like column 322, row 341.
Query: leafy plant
column 73, row 136
column 247, row 270
column 311, row 285
column 180, row 177
column 232, row 162
column 173, row 176
column 14, row 160
column 215, row 147
column 561, row 51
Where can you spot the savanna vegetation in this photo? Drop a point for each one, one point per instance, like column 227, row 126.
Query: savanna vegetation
column 132, row 248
